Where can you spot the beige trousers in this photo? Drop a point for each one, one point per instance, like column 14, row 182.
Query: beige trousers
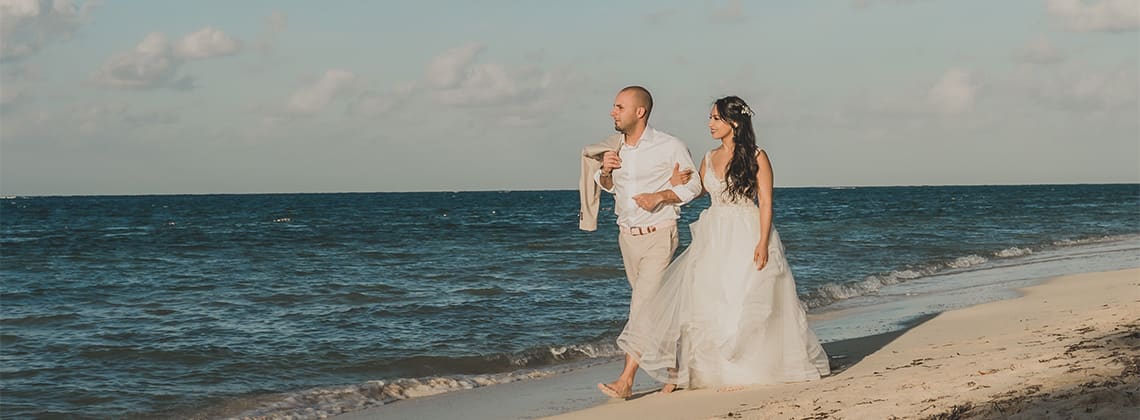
column 645, row 258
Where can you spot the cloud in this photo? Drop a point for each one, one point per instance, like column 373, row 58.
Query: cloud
column 1097, row 15
column 731, row 12
column 155, row 62
column 447, row 69
column 1039, row 51
column 313, row 98
column 482, row 84
column 954, row 93
column 27, row 26
column 917, row 105
column 149, row 65
column 456, row 79
column 206, row 43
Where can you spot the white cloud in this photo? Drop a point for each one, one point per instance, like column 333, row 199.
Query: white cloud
column 313, row 98
column 1039, row 51
column 448, row 69
column 154, row 62
column 482, row 84
column 457, row 80
column 954, row 93
column 149, row 65
column 206, row 43
column 1097, row 15
column 26, row 26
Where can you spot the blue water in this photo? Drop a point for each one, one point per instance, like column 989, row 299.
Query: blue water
column 215, row 305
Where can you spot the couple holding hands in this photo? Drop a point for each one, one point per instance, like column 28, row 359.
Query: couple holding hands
column 725, row 312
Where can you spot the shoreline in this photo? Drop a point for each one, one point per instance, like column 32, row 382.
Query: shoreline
column 1068, row 347
column 574, row 390
column 1026, row 356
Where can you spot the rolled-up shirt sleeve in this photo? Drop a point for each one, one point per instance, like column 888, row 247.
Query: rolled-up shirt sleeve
column 689, row 190
column 598, row 180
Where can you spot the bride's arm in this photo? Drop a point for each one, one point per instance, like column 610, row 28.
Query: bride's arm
column 764, row 201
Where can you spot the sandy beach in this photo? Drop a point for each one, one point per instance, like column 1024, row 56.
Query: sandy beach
column 1067, row 348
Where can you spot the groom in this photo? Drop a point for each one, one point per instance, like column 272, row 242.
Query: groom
column 647, row 204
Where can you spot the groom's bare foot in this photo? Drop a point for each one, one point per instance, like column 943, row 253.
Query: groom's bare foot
column 668, row 388
column 617, row 389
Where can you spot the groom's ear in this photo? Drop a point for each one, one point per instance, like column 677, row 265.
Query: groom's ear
column 640, row 112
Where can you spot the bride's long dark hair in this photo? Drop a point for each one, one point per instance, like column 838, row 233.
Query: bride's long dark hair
column 742, row 168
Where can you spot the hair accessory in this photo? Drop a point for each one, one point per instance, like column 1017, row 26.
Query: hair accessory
column 747, row 111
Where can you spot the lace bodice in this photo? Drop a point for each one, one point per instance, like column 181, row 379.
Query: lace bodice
column 716, row 188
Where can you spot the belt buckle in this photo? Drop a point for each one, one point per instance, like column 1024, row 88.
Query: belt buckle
column 638, row 231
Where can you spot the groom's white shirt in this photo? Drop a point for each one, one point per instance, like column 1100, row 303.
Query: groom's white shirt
column 646, row 168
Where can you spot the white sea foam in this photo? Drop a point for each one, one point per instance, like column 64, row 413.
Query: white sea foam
column 1013, row 252
column 833, row 292
column 325, row 402
column 967, row 261
column 1094, row 240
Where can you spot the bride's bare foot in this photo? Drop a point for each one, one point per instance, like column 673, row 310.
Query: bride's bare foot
column 617, row 389
column 732, row 388
column 668, row 388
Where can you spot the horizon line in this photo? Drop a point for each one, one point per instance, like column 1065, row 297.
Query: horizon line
column 11, row 196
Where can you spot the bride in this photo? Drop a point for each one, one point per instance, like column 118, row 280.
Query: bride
column 727, row 313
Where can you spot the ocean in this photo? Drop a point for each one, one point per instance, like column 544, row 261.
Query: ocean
column 274, row 305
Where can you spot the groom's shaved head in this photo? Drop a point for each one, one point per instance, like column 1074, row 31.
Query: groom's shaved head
column 642, row 98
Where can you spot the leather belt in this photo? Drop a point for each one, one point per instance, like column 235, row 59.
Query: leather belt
column 645, row 230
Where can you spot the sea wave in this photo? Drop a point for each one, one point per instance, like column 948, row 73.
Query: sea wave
column 833, row 292
column 323, row 402
column 1013, row 252
column 1090, row 240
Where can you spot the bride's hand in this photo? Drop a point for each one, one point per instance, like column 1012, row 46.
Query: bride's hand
column 680, row 177
column 760, row 255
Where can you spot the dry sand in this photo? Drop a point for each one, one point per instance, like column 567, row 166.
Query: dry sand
column 1068, row 348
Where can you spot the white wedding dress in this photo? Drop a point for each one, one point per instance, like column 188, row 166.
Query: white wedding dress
column 717, row 321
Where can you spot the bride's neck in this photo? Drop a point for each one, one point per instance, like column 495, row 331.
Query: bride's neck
column 728, row 143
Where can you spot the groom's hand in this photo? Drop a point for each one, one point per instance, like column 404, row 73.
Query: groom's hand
column 610, row 161
column 680, row 177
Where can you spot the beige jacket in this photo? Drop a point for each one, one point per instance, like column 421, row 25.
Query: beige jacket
column 589, row 192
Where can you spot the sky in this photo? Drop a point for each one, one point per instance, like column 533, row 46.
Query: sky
column 259, row 96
